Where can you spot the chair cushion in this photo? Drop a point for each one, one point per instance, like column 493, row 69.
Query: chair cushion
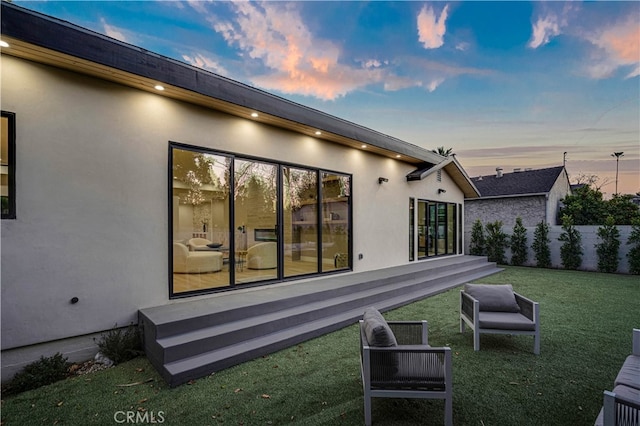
column 377, row 330
column 493, row 298
column 629, row 374
column 505, row 321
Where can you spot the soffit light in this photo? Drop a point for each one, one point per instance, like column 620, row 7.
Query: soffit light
column 318, row 132
column 254, row 114
column 363, row 146
column 4, row 43
column 398, row 156
column 159, row 87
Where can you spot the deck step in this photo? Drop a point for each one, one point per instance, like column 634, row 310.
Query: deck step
column 192, row 339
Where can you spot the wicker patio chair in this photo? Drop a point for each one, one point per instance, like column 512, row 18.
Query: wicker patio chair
column 408, row 369
column 497, row 309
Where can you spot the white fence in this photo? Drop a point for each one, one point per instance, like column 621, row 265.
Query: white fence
column 590, row 238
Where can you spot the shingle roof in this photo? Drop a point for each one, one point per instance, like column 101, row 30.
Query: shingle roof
column 518, row 183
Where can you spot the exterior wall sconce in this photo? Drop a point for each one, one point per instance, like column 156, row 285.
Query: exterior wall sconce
column 441, row 191
column 382, row 179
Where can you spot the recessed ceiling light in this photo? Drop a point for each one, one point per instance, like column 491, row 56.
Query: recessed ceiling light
column 363, row 146
column 159, row 87
column 4, row 43
column 398, row 155
column 254, row 114
column 318, row 132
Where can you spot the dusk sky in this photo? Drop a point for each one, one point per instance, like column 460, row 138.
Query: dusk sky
column 509, row 84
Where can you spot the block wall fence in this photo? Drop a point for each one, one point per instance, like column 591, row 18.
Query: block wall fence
column 589, row 240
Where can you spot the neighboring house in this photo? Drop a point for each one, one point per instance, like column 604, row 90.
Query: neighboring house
column 121, row 196
column 533, row 195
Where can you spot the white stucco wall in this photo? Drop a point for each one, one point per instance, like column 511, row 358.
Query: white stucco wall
column 92, row 198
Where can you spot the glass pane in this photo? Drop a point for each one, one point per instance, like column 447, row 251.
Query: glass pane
column 256, row 235
column 200, row 214
column 451, row 228
column 7, row 165
column 335, row 213
column 422, row 229
column 412, row 241
column 442, row 224
column 300, row 227
column 432, row 230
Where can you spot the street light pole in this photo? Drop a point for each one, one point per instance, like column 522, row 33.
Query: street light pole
column 617, row 155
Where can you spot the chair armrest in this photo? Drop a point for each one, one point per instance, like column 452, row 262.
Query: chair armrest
column 527, row 306
column 410, row 332
column 467, row 303
column 636, row 342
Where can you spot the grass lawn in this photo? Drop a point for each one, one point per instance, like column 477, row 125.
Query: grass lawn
column 586, row 327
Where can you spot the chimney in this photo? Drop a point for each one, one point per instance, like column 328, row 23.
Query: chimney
column 499, row 172
column 518, row 170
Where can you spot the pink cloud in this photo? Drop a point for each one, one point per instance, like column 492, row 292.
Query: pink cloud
column 431, row 29
column 619, row 46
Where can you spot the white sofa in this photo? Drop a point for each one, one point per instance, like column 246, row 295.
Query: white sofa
column 263, row 256
column 196, row 244
column 194, row 262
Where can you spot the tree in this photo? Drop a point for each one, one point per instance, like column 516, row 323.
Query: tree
column 442, row 151
column 541, row 245
column 590, row 180
column 633, row 256
column 609, row 246
column 497, row 241
column 518, row 243
column 478, row 246
column 571, row 249
column 622, row 209
column 585, row 206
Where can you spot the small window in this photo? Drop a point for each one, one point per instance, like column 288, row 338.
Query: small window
column 8, row 165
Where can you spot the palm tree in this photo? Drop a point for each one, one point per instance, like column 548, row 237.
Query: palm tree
column 444, row 152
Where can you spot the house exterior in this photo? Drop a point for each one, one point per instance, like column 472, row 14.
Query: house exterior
column 533, row 195
column 121, row 196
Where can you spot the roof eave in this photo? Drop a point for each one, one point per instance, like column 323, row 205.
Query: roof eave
column 39, row 35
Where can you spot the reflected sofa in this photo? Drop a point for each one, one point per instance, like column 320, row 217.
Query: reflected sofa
column 262, row 256
column 194, row 262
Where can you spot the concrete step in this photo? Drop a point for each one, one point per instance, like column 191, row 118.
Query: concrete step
column 235, row 328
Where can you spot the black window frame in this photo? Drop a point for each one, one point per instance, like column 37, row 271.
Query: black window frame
column 279, row 227
column 11, row 153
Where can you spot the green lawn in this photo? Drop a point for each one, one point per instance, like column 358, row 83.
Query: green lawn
column 586, row 326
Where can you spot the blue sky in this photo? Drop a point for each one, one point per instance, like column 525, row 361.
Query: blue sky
column 509, row 84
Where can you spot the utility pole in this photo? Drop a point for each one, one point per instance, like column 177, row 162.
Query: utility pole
column 617, row 155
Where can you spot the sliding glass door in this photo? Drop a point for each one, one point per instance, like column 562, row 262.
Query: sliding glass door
column 239, row 221
column 438, row 229
column 256, row 221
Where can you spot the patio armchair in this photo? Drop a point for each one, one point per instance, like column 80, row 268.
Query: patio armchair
column 396, row 361
column 497, row 309
column 621, row 406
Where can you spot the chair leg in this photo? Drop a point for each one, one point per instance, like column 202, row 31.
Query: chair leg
column 461, row 325
column 448, row 412
column 536, row 344
column 367, row 410
column 476, row 340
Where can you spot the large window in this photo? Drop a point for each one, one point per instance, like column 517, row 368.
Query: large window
column 438, row 229
column 8, row 165
column 238, row 221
